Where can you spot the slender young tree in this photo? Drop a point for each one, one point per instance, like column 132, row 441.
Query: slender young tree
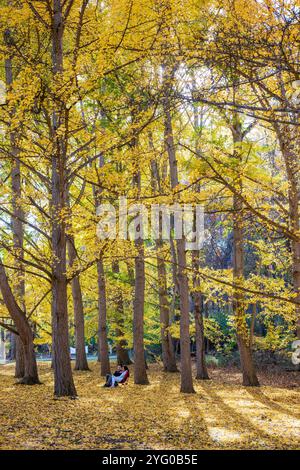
column 102, row 332
column 168, row 351
column 16, row 221
column 81, row 362
column 17, row 218
column 103, row 351
column 140, row 372
column 121, row 349
column 201, row 369
column 185, row 344
column 247, row 364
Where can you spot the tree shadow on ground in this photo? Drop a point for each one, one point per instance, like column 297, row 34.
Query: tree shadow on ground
column 258, row 395
column 182, row 418
column 239, row 420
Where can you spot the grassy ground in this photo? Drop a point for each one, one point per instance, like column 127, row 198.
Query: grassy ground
column 222, row 415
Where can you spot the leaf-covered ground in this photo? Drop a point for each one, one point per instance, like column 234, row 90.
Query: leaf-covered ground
column 222, row 415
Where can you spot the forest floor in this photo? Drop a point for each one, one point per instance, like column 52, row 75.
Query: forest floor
column 222, row 415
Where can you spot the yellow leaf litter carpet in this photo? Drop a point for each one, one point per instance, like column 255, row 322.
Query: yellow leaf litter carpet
column 222, row 415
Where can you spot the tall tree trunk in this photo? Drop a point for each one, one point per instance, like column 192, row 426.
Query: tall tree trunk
column 17, row 229
column 102, row 328
column 185, row 352
column 103, row 351
column 19, row 357
column 140, row 364
column 81, row 362
column 140, row 372
column 63, row 378
column 253, row 321
column 185, row 342
column 201, row 369
column 23, row 328
column 122, row 351
column 243, row 337
column 289, row 144
column 296, row 275
column 168, row 352
column 12, row 351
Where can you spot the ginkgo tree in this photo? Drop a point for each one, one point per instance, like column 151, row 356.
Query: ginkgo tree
column 170, row 102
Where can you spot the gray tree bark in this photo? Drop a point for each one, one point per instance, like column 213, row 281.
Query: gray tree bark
column 81, row 362
column 63, row 378
column 243, row 339
column 168, row 351
column 19, row 357
column 288, row 137
column 103, row 352
column 17, row 225
column 140, row 372
column 122, row 351
column 102, row 328
column 185, row 353
column 201, row 368
column 23, row 328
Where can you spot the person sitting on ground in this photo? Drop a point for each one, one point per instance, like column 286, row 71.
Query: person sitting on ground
column 122, row 379
column 125, row 375
column 119, row 371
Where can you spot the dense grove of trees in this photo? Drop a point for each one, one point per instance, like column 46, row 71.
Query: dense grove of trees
column 164, row 102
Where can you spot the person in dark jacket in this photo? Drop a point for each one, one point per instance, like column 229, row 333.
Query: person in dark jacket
column 119, row 376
